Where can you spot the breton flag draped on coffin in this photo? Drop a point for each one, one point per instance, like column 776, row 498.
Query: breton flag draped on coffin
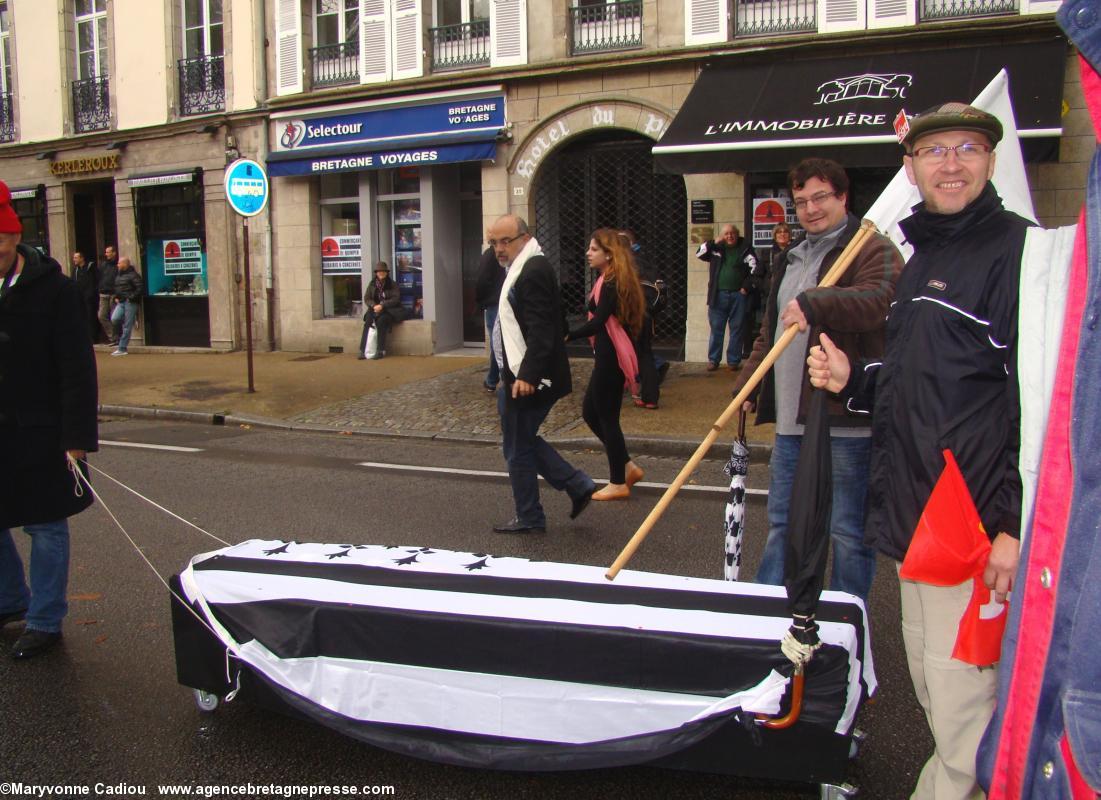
column 485, row 661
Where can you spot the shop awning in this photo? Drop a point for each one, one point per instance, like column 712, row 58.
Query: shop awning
column 387, row 155
column 441, row 128
column 766, row 117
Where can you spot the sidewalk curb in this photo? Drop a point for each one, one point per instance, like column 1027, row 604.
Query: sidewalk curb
column 649, row 446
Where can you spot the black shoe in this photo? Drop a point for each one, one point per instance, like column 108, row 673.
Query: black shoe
column 516, row 526
column 582, row 502
column 12, row 616
column 33, row 642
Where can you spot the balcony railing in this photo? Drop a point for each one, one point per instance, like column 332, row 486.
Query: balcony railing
column 91, row 104
column 609, row 26
column 772, row 17
column 458, row 46
column 954, row 9
column 202, row 85
column 335, row 64
column 7, row 118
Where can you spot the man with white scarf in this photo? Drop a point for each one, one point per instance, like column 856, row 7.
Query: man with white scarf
column 529, row 343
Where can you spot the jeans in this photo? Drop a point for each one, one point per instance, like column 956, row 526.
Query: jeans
column 528, row 456
column 493, row 377
column 726, row 311
column 45, row 601
column 853, row 563
column 125, row 312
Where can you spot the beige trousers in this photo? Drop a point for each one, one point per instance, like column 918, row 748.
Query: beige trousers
column 958, row 698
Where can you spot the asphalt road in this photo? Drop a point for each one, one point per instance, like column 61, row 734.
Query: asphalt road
column 105, row 707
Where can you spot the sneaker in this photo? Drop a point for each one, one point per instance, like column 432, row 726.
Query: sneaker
column 120, row 353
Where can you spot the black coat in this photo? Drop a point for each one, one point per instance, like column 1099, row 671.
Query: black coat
column 48, row 394
column 537, row 304
column 86, row 279
column 948, row 379
column 491, row 277
column 128, row 285
column 108, row 271
column 713, row 253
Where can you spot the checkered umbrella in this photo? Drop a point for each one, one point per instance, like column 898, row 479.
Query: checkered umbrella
column 734, row 520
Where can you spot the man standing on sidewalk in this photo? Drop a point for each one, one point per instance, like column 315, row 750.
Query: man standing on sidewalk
column 853, row 312
column 47, row 415
column 529, row 343
column 947, row 382
column 108, row 271
column 730, row 261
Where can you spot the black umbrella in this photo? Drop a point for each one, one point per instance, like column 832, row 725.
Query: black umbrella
column 734, row 519
column 808, row 531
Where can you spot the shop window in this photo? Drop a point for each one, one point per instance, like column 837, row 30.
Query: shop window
column 172, row 237
column 30, row 206
column 172, row 240
column 400, row 236
column 341, row 246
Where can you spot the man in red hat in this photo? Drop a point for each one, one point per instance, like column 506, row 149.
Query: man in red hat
column 47, row 424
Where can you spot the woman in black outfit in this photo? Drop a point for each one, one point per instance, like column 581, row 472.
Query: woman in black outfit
column 615, row 320
column 383, row 303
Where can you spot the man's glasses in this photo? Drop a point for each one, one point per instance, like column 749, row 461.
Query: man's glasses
column 817, row 199
column 936, row 153
column 504, row 241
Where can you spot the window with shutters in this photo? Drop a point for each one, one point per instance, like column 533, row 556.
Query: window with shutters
column 460, row 34
column 202, row 69
column 7, row 110
column 954, row 9
column 772, row 17
column 597, row 26
column 334, row 59
column 91, row 97
column 706, row 21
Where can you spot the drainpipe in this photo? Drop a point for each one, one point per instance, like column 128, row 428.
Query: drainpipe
column 260, row 31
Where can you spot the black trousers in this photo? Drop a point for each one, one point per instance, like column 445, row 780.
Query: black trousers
column 600, row 409
column 383, row 321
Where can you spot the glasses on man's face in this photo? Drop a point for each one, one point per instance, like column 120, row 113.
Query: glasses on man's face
column 937, row 153
column 504, row 241
column 817, row 199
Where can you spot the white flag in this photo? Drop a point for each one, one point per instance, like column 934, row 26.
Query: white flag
column 1009, row 179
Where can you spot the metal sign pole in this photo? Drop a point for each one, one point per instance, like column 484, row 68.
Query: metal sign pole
column 248, row 305
column 247, row 190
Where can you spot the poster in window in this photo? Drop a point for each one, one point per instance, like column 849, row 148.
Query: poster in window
column 182, row 257
column 407, row 211
column 341, row 255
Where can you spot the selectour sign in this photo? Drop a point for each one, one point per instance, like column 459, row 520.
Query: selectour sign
column 247, row 187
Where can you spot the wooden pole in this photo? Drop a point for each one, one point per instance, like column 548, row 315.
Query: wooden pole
column 829, row 279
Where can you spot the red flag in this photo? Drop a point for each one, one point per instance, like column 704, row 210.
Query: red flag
column 949, row 547
column 979, row 641
column 950, row 544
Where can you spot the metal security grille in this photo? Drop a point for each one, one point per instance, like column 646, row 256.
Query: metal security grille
column 610, row 182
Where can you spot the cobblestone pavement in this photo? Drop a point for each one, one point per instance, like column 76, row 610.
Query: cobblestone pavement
column 453, row 403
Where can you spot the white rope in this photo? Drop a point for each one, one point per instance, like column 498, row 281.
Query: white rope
column 75, row 468
column 146, row 499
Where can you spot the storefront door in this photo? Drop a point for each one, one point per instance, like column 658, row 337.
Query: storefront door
column 94, row 220
column 609, row 181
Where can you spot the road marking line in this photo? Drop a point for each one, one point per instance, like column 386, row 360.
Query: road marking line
column 143, row 446
column 485, row 473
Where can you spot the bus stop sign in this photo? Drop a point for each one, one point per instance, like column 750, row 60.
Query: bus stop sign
column 247, row 187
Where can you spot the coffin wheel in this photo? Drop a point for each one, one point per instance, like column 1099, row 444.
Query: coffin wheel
column 206, row 701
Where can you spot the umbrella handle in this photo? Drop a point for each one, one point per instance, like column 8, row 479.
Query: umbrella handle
column 789, row 719
column 831, row 277
column 741, row 425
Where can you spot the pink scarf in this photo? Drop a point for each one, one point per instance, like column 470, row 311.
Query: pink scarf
column 624, row 348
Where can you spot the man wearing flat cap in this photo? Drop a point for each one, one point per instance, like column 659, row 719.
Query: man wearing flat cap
column 47, row 426
column 947, row 382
